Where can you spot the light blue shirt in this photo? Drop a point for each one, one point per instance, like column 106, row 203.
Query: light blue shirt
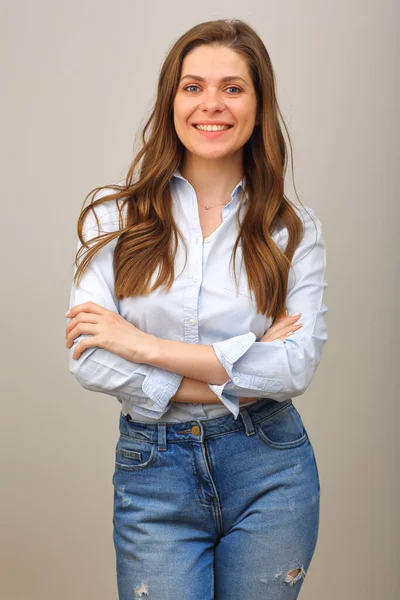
column 203, row 307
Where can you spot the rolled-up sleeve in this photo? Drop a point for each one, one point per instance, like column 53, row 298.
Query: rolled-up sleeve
column 282, row 369
column 149, row 389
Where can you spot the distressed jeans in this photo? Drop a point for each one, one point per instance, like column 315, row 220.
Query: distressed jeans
column 216, row 509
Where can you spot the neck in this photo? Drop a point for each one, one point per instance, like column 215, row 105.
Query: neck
column 213, row 179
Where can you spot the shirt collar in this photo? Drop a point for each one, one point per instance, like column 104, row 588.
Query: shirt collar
column 241, row 185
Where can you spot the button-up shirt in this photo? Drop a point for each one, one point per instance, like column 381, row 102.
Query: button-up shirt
column 204, row 306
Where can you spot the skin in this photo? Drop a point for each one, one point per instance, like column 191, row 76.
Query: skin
column 213, row 166
column 114, row 333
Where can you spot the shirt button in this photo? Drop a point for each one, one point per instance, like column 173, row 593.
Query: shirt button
column 192, row 321
column 195, row 279
column 149, row 402
column 207, row 241
column 236, row 379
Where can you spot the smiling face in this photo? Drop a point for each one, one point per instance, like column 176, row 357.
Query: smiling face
column 215, row 88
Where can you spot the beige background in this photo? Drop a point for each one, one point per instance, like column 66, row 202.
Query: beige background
column 78, row 80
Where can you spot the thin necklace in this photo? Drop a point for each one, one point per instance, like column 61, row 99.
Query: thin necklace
column 208, row 207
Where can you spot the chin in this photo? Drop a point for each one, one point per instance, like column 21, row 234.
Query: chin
column 212, row 154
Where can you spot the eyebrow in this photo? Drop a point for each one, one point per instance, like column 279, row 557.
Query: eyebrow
column 223, row 79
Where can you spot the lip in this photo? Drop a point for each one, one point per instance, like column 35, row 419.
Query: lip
column 212, row 134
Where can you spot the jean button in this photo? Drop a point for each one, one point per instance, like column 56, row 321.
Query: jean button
column 195, row 430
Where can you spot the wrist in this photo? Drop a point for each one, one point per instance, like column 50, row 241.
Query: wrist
column 148, row 351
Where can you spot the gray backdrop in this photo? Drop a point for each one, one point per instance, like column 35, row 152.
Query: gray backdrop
column 78, row 80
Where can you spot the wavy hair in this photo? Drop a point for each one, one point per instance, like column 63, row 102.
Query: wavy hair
column 148, row 235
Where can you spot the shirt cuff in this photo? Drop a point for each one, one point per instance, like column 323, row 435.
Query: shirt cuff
column 152, row 412
column 228, row 352
column 159, row 385
column 231, row 403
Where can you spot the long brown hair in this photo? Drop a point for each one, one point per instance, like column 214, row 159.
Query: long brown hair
column 148, row 235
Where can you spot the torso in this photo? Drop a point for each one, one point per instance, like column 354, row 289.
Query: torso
column 210, row 220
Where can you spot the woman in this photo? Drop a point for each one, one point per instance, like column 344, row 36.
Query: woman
column 216, row 484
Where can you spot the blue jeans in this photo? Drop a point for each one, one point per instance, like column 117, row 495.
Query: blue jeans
column 216, row 509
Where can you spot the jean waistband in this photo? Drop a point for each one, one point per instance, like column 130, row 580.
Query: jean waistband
column 198, row 430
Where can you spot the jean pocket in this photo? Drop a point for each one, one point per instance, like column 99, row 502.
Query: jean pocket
column 283, row 429
column 132, row 454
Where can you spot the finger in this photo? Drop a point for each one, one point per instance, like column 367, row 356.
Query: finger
column 291, row 318
column 283, row 326
column 80, row 318
column 80, row 329
column 85, row 307
column 83, row 345
column 283, row 333
column 283, row 337
column 293, row 329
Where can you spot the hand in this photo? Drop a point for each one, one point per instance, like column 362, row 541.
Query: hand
column 281, row 329
column 109, row 331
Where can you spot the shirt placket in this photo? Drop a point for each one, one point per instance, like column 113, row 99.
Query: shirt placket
column 194, row 280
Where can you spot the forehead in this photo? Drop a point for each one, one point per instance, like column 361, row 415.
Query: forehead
column 213, row 62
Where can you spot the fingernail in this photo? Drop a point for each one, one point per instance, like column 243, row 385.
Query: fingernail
column 67, row 313
column 295, row 315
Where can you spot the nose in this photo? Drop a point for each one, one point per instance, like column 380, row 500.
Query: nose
column 212, row 101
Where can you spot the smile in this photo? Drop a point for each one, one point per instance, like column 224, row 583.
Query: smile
column 212, row 131
column 212, row 127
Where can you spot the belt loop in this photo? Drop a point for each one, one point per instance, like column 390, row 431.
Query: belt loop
column 248, row 423
column 162, row 436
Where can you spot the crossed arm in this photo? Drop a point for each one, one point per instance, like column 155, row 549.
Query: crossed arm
column 197, row 392
column 150, row 372
column 198, row 363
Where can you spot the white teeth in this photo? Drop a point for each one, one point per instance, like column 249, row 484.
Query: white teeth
column 212, row 127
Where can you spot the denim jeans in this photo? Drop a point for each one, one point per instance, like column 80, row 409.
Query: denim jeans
column 216, row 509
